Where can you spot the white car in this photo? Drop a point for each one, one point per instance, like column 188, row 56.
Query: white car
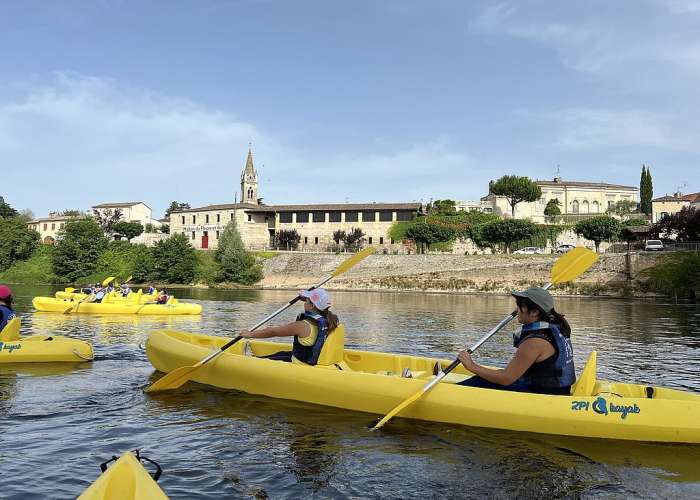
column 654, row 246
column 565, row 248
column 528, row 251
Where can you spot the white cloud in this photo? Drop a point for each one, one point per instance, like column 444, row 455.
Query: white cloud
column 78, row 140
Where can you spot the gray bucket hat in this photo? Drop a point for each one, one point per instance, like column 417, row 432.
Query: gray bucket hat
column 539, row 296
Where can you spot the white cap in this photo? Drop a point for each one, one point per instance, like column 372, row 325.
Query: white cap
column 318, row 297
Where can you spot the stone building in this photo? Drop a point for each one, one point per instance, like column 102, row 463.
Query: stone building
column 48, row 227
column 669, row 205
column 132, row 211
column 259, row 224
column 577, row 200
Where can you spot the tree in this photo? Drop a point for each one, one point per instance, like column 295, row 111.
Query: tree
column 237, row 264
column 623, row 208
column 646, row 191
column 443, row 207
column 165, row 228
column 174, row 260
column 107, row 218
column 176, row 207
column 552, row 210
column 27, row 215
column 6, row 210
column 287, row 239
column 149, row 228
column 80, row 244
column 516, row 189
column 128, row 230
column 17, row 242
column 143, row 266
column 339, row 236
column 354, row 239
column 598, row 229
column 428, row 233
column 506, row 232
column 683, row 225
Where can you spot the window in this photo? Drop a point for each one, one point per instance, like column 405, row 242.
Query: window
column 404, row 215
column 183, row 220
column 350, row 216
column 60, row 226
column 53, row 226
column 391, row 240
column 192, row 234
column 595, row 207
column 218, row 219
column 369, row 240
column 611, row 204
column 664, row 215
column 334, row 216
column 231, row 215
column 306, row 240
column 319, row 216
column 368, row 216
column 302, row 217
column 584, row 207
column 316, row 240
column 574, row 207
column 250, row 218
column 381, row 240
column 45, row 226
column 385, row 216
column 217, row 235
column 194, row 220
column 285, row 217
column 206, row 219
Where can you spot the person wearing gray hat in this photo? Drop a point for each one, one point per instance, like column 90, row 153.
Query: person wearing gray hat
column 544, row 357
column 310, row 329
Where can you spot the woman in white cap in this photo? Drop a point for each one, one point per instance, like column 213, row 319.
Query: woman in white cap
column 544, row 358
column 310, row 329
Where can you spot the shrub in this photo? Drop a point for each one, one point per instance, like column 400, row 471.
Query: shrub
column 506, row 232
column 174, row 260
column 237, row 264
column 78, row 249
column 128, row 230
column 17, row 242
column 598, row 229
column 287, row 239
column 677, row 275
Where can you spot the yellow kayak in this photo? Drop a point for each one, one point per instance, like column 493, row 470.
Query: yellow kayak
column 40, row 348
column 126, row 479
column 173, row 307
column 374, row 382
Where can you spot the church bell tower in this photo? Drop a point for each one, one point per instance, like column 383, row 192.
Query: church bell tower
column 249, row 181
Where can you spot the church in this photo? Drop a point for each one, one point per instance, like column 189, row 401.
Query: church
column 259, row 224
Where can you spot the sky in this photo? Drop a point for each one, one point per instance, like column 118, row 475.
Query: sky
column 343, row 101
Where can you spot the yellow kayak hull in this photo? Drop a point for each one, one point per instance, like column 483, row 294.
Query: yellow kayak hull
column 51, row 304
column 126, row 479
column 45, row 349
column 371, row 382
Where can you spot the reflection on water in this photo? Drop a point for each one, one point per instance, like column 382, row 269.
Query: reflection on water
column 213, row 443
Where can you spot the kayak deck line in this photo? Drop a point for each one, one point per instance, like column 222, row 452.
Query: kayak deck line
column 372, row 382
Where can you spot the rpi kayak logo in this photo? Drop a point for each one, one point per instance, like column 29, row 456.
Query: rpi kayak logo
column 9, row 347
column 602, row 407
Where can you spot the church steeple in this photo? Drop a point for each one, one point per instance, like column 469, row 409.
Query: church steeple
column 249, row 180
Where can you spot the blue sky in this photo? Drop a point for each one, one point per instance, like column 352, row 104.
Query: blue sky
column 356, row 101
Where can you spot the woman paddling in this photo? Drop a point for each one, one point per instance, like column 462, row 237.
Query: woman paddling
column 6, row 311
column 544, row 360
column 310, row 329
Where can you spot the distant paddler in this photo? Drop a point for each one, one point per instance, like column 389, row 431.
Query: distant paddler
column 6, row 311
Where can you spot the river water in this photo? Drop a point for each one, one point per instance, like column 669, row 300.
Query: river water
column 58, row 424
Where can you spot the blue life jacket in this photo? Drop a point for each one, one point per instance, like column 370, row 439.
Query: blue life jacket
column 310, row 354
column 151, row 290
column 6, row 314
column 557, row 371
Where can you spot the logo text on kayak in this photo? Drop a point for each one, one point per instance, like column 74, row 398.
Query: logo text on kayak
column 603, row 407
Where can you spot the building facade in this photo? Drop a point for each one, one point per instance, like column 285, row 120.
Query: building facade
column 48, row 227
column 259, row 224
column 132, row 211
column 669, row 205
column 577, row 200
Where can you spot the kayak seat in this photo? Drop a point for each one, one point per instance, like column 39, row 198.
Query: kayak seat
column 333, row 350
column 11, row 331
column 586, row 383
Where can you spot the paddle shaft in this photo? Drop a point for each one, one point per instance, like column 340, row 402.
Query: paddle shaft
column 261, row 323
column 473, row 348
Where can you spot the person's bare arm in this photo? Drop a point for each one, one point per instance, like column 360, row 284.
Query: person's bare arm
column 528, row 353
column 299, row 329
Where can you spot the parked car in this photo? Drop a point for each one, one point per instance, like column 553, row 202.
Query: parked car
column 564, row 248
column 528, row 251
column 653, row 246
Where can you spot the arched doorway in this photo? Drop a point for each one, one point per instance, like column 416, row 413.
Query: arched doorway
column 49, row 240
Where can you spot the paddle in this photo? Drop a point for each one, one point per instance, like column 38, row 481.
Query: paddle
column 567, row 268
column 179, row 376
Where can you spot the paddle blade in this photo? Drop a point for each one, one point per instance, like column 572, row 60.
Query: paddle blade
column 398, row 409
column 359, row 256
column 107, row 281
column 573, row 264
column 173, row 380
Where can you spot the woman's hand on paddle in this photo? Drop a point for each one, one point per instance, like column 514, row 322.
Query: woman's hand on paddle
column 466, row 360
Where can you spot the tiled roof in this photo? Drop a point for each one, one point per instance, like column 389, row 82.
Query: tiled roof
column 120, row 204
column 692, row 197
column 598, row 185
column 291, row 208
